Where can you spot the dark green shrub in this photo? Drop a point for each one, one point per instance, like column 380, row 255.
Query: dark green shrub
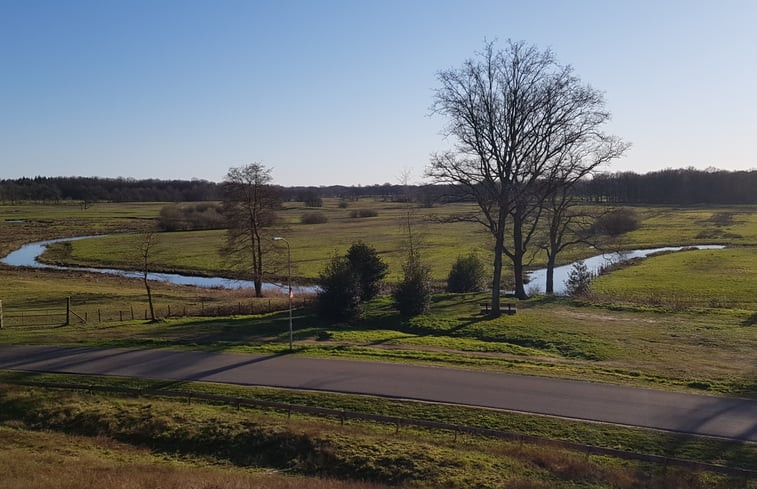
column 467, row 275
column 339, row 296
column 412, row 296
column 314, row 218
column 369, row 269
column 579, row 279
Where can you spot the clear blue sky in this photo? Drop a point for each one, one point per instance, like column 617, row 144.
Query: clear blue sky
column 338, row 92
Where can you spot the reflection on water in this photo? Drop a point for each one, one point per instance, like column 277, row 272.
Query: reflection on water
column 28, row 254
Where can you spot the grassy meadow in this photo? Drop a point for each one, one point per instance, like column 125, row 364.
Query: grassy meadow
column 681, row 320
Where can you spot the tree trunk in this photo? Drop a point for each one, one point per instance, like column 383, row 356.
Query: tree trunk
column 497, row 280
column 550, row 287
column 149, row 299
column 517, row 258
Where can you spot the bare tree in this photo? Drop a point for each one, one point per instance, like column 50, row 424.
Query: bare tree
column 146, row 257
column 514, row 114
column 567, row 224
column 249, row 206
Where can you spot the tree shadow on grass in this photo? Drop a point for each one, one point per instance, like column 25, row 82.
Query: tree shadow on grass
column 750, row 321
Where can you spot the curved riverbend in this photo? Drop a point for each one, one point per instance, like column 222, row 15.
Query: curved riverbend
column 538, row 278
column 28, row 256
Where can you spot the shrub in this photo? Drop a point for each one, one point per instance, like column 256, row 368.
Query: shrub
column 579, row 279
column 339, row 297
column 205, row 215
column 343, row 204
column 369, row 269
column 358, row 213
column 412, row 296
column 311, row 198
column 314, row 218
column 617, row 222
column 467, row 275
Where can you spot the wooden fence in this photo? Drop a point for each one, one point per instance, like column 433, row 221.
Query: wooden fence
column 743, row 474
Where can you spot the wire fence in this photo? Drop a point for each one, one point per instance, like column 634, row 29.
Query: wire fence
column 744, row 474
column 69, row 312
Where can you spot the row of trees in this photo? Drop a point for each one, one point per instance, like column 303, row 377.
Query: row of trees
column 672, row 186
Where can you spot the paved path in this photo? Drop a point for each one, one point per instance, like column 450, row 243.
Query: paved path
column 689, row 413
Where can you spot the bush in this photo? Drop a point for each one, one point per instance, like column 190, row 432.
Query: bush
column 579, row 279
column 413, row 294
column 339, row 297
column 311, row 198
column 349, row 280
column 358, row 213
column 343, row 204
column 617, row 222
column 314, row 218
column 467, row 275
column 369, row 269
column 205, row 215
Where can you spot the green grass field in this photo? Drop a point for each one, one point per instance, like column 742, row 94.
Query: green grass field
column 684, row 280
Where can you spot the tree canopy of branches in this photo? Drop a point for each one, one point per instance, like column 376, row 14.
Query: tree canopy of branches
column 521, row 123
column 249, row 206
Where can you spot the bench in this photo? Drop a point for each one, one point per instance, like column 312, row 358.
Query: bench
column 486, row 308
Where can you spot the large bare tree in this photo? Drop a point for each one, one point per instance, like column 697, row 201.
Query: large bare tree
column 514, row 114
column 249, row 206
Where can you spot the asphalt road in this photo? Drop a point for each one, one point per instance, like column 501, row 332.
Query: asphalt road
column 672, row 411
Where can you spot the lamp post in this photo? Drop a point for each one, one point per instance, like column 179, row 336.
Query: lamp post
column 289, row 284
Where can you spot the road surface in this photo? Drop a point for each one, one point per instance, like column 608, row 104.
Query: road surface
column 671, row 411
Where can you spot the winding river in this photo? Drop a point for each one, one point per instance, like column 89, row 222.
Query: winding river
column 27, row 256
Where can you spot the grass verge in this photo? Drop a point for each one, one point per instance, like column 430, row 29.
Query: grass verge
column 360, row 451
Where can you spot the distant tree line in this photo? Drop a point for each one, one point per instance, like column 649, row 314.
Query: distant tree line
column 93, row 189
column 670, row 186
column 673, row 186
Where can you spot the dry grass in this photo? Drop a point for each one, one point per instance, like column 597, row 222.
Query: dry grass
column 42, row 460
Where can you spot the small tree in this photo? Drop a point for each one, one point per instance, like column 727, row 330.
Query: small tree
column 369, row 269
column 412, row 296
column 146, row 256
column 467, row 275
column 579, row 279
column 339, row 297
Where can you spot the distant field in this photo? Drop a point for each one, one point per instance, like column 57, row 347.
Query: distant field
column 441, row 242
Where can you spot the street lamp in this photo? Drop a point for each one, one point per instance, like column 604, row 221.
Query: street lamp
column 289, row 284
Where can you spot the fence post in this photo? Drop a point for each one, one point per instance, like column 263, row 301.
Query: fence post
column 132, row 312
column 1, row 314
column 68, row 311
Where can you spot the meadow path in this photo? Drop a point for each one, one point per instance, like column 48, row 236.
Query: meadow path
column 672, row 411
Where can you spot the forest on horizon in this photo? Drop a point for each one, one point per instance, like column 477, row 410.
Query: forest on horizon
column 670, row 186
